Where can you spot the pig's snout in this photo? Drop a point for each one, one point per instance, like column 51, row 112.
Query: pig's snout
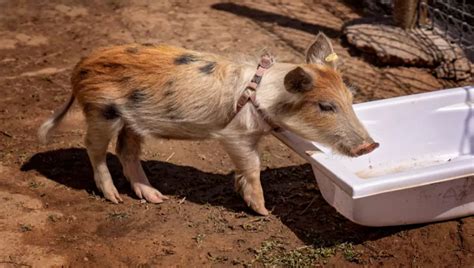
column 364, row 148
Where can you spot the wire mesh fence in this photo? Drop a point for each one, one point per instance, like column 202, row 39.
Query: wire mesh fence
column 453, row 19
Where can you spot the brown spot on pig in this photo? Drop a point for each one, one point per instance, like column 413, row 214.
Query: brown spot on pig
column 137, row 96
column 110, row 112
column 208, row 68
column 83, row 73
column 185, row 59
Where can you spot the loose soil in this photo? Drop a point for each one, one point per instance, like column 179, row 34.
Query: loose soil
column 51, row 214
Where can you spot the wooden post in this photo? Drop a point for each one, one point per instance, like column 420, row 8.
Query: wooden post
column 405, row 13
column 423, row 12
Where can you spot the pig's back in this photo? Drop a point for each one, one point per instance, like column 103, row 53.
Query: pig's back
column 161, row 90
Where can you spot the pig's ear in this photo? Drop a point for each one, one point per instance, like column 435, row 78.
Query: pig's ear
column 298, row 81
column 321, row 52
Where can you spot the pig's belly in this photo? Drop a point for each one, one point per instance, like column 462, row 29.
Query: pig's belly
column 173, row 129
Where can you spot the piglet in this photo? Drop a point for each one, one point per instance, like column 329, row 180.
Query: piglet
column 133, row 91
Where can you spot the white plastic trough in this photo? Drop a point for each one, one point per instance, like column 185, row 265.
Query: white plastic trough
column 423, row 170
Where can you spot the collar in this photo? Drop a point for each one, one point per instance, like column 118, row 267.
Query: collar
column 250, row 92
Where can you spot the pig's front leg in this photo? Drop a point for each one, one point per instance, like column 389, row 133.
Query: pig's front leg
column 244, row 155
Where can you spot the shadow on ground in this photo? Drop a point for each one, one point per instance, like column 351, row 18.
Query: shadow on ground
column 281, row 20
column 290, row 193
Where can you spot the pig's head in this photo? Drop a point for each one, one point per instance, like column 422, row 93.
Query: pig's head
column 319, row 105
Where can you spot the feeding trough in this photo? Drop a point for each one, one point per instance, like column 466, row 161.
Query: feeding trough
column 423, row 170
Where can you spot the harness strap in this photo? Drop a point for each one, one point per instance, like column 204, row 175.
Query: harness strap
column 250, row 94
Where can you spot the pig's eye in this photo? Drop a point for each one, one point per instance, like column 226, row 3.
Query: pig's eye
column 327, row 107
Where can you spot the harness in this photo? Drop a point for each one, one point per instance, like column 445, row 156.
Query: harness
column 250, row 92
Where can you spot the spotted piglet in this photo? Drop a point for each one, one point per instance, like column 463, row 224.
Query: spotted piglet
column 134, row 91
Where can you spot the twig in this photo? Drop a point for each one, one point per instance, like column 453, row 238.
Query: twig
column 182, row 200
column 43, row 72
column 169, row 157
column 309, row 205
column 6, row 134
column 47, row 56
column 15, row 263
column 303, row 247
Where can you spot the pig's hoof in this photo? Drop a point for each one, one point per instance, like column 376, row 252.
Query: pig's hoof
column 256, row 205
column 260, row 210
column 147, row 192
column 110, row 193
column 253, row 198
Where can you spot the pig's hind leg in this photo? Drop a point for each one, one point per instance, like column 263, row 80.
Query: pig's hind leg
column 128, row 151
column 99, row 133
column 244, row 155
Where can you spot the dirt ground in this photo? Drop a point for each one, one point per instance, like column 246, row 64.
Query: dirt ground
column 51, row 214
